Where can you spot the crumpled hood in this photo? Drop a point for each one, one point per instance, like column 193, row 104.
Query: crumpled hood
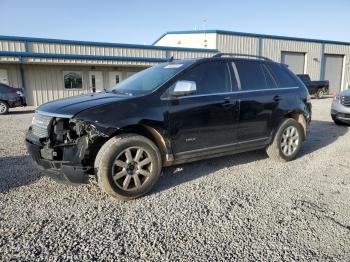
column 68, row 107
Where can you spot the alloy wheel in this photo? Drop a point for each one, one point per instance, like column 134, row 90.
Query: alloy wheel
column 3, row 108
column 132, row 168
column 290, row 140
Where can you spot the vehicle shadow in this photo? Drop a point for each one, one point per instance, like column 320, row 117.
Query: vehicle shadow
column 321, row 134
column 16, row 171
column 176, row 175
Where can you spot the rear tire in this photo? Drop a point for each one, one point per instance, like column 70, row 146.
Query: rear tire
column 287, row 141
column 4, row 108
column 128, row 166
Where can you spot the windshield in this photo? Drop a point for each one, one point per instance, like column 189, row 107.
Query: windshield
column 149, row 79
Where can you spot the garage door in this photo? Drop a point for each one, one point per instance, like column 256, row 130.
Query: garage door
column 295, row 61
column 333, row 72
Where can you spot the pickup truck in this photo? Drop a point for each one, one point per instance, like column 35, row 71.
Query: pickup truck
column 317, row 88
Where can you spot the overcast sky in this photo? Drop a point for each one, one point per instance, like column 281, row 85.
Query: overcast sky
column 131, row 21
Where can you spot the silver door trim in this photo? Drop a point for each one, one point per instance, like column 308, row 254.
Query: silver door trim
column 234, row 92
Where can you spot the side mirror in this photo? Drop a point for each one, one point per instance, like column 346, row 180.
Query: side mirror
column 183, row 88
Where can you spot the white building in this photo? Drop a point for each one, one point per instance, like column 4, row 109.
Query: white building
column 49, row 69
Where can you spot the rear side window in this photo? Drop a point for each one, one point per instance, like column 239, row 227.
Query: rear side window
column 269, row 79
column 251, row 75
column 210, row 78
column 282, row 76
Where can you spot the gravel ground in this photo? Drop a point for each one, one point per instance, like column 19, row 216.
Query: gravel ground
column 244, row 207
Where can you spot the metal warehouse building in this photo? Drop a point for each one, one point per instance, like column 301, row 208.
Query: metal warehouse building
column 49, row 69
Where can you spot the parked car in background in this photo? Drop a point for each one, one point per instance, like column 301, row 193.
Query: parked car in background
column 340, row 110
column 10, row 97
column 317, row 88
column 171, row 113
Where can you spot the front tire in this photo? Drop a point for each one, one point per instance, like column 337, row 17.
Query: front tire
column 128, row 166
column 287, row 141
column 4, row 108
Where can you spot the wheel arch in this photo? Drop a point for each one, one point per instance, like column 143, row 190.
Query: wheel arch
column 297, row 116
column 300, row 118
column 154, row 135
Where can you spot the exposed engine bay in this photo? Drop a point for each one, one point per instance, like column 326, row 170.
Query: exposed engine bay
column 68, row 140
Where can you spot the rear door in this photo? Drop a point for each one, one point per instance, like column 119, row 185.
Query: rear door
column 258, row 101
column 208, row 118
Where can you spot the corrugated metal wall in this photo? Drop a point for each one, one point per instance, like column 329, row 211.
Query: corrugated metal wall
column 188, row 54
column 272, row 48
column 86, row 62
column 13, row 73
column 60, row 48
column 8, row 45
column 237, row 44
column 44, row 75
column 9, row 59
column 45, row 83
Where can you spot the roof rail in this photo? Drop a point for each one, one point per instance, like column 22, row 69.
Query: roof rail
column 246, row 55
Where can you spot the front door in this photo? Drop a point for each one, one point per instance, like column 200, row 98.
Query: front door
column 114, row 78
column 96, row 81
column 206, row 120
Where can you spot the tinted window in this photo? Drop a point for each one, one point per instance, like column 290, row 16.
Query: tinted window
column 251, row 75
column 211, row 77
column 282, row 76
column 268, row 77
column 150, row 78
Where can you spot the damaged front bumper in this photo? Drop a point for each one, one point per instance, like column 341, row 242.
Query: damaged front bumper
column 64, row 171
column 64, row 148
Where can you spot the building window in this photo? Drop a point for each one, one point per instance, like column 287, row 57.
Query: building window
column 73, row 80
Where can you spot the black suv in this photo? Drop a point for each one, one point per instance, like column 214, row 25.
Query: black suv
column 171, row 113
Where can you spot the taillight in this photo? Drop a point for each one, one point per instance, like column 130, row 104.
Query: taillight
column 13, row 90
